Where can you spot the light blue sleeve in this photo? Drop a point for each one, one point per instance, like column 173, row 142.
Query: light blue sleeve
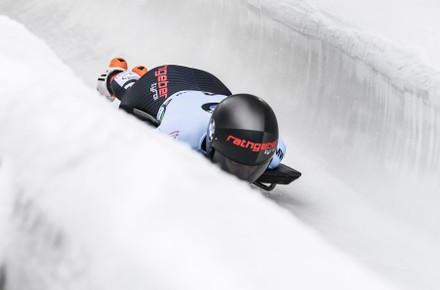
column 183, row 116
column 279, row 154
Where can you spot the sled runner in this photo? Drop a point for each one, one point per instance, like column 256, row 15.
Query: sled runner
column 283, row 174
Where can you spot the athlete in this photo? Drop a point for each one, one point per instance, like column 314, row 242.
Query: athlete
column 237, row 131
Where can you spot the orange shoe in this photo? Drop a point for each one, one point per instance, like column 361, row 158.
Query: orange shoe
column 140, row 70
column 118, row 62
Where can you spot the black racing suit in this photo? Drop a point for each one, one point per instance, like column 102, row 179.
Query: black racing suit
column 152, row 89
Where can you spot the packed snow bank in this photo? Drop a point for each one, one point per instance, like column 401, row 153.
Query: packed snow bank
column 366, row 108
column 399, row 39
column 5, row 213
column 339, row 74
column 97, row 200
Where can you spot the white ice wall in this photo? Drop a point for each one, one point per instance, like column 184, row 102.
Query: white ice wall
column 91, row 198
column 336, row 96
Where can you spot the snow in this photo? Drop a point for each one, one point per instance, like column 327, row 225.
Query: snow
column 356, row 90
column 399, row 39
column 408, row 26
column 102, row 201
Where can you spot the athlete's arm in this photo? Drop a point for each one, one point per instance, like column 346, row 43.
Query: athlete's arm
column 279, row 154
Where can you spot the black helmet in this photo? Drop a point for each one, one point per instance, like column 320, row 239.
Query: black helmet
column 242, row 136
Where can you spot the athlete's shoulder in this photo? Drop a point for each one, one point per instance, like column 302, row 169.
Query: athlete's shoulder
column 185, row 116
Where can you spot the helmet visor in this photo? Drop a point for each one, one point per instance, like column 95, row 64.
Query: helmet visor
column 242, row 171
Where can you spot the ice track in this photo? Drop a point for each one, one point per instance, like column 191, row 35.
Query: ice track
column 363, row 124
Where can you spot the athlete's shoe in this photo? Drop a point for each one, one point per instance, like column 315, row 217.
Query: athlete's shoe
column 118, row 62
column 140, row 70
column 116, row 66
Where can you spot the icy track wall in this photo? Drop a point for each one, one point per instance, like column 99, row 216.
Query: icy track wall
column 376, row 125
column 79, row 210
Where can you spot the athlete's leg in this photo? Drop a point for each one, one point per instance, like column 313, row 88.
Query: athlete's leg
column 158, row 84
column 117, row 79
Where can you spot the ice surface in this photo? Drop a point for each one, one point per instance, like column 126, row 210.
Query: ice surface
column 94, row 199
column 355, row 87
